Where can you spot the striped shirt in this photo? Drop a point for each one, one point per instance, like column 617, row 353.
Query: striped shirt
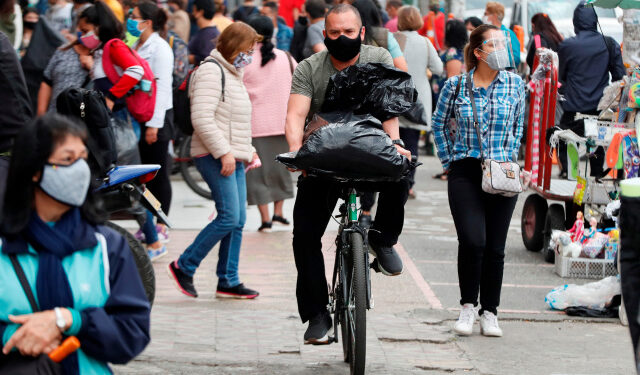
column 500, row 113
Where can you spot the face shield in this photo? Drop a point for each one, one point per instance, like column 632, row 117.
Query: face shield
column 495, row 47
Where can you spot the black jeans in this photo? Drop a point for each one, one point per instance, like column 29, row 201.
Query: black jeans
column 567, row 122
column 160, row 186
column 630, row 267
column 315, row 202
column 410, row 137
column 482, row 223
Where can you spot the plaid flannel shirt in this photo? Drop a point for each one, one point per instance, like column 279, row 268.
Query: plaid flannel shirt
column 500, row 113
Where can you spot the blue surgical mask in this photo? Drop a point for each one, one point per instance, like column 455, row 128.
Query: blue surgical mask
column 242, row 60
column 132, row 27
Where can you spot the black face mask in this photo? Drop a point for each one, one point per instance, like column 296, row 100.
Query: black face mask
column 304, row 21
column 29, row 25
column 343, row 48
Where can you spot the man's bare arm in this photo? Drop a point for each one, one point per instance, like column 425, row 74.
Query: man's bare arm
column 392, row 128
column 297, row 111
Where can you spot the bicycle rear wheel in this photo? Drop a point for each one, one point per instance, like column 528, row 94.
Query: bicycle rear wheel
column 189, row 172
column 357, row 306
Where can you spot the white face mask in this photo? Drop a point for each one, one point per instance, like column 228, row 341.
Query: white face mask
column 498, row 58
column 486, row 21
column 68, row 184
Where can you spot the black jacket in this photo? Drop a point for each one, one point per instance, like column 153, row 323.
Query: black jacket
column 586, row 61
column 15, row 104
column 544, row 42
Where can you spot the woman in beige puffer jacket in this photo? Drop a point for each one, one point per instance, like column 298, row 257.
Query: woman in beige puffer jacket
column 221, row 144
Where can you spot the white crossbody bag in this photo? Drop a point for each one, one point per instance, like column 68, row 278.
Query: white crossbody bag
column 498, row 177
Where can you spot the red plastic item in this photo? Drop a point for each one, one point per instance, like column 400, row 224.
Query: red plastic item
column 68, row 346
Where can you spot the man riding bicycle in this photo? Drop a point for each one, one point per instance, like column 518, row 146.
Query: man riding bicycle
column 316, row 198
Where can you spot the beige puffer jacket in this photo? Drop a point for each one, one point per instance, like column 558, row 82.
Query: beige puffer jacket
column 220, row 126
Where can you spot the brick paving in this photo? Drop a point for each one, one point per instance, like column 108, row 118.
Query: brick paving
column 264, row 336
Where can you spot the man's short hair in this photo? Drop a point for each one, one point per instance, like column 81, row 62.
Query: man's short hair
column 207, row 6
column 494, row 7
column 394, row 4
column 315, row 8
column 343, row 8
column 271, row 5
column 179, row 3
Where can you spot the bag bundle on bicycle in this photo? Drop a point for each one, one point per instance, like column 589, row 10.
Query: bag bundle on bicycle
column 346, row 139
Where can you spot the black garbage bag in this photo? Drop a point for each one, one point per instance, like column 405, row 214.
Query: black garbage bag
column 126, row 142
column 374, row 89
column 350, row 147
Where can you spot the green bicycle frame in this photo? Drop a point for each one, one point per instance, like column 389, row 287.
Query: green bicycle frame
column 353, row 206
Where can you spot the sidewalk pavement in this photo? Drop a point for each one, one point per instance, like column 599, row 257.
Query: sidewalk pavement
column 265, row 336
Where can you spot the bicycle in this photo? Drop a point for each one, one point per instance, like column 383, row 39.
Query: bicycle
column 350, row 295
column 187, row 167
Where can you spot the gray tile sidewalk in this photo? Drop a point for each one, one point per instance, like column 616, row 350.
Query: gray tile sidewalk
column 211, row 336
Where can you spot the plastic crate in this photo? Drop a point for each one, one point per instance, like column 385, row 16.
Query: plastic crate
column 585, row 268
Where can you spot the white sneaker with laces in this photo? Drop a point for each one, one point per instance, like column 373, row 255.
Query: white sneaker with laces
column 489, row 325
column 464, row 325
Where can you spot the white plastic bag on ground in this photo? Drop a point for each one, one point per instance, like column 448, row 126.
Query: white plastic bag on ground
column 594, row 295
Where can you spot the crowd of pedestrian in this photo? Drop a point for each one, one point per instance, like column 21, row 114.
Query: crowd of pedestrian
column 254, row 77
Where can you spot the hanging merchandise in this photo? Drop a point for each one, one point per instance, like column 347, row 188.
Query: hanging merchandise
column 630, row 156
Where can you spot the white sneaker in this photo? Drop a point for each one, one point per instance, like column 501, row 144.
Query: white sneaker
column 489, row 325
column 464, row 325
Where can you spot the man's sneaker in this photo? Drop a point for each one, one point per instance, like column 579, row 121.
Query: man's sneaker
column 387, row 261
column 183, row 282
column 464, row 325
column 155, row 254
column 140, row 236
column 489, row 325
column 163, row 233
column 319, row 330
column 365, row 221
column 280, row 220
column 265, row 227
column 238, row 292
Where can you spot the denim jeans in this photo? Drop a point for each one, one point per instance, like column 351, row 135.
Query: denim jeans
column 230, row 197
column 149, row 229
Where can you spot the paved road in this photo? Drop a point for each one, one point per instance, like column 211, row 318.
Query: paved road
column 409, row 329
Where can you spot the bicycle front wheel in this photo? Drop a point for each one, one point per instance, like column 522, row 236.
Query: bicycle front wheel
column 357, row 306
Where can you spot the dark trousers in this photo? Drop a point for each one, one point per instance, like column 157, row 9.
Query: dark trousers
column 482, row 223
column 158, row 153
column 567, row 122
column 315, row 202
column 4, row 173
column 630, row 267
column 410, row 137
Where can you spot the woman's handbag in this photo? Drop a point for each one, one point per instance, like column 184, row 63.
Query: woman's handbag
column 501, row 178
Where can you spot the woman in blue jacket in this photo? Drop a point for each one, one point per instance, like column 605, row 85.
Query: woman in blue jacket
column 82, row 275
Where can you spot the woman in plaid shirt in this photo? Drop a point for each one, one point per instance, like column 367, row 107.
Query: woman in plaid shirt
column 481, row 219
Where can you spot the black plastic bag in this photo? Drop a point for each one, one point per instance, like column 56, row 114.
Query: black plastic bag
column 349, row 147
column 126, row 142
column 373, row 89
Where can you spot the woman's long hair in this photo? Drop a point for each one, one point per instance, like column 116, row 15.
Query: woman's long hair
column 455, row 34
column 264, row 26
column 100, row 15
column 475, row 41
column 31, row 151
column 543, row 25
column 149, row 11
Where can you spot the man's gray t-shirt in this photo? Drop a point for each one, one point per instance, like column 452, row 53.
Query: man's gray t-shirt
column 314, row 36
column 311, row 77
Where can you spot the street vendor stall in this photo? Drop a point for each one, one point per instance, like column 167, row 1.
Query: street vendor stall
column 600, row 156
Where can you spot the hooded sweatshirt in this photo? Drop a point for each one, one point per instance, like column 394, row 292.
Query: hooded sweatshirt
column 585, row 62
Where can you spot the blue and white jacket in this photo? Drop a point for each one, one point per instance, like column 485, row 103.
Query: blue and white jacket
column 111, row 311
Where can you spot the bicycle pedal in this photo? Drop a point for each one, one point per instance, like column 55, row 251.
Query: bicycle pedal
column 374, row 266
